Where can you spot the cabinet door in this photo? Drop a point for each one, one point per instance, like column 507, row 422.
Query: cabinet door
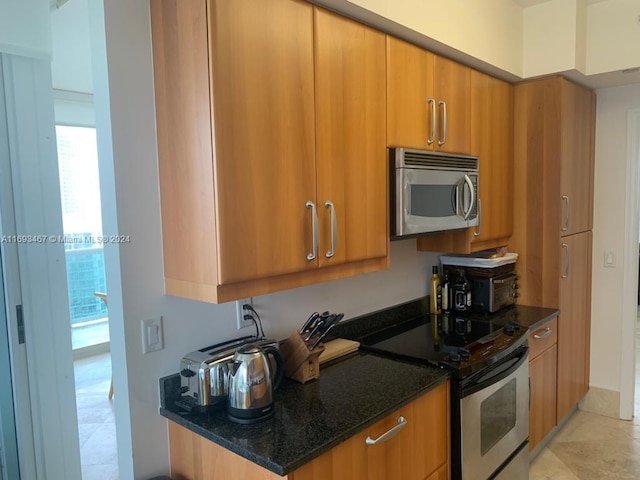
column 263, row 101
column 542, row 412
column 416, row 452
column 409, row 88
column 492, row 142
column 578, row 121
column 351, row 148
column 452, row 86
column 574, row 321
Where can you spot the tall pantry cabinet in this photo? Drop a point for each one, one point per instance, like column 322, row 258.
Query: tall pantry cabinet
column 553, row 215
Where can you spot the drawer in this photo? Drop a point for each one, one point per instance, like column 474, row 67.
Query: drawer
column 542, row 338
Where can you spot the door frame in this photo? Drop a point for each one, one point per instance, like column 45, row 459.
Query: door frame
column 37, row 278
column 630, row 269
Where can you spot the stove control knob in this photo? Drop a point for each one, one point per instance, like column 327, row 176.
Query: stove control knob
column 464, row 353
column 509, row 329
column 455, row 357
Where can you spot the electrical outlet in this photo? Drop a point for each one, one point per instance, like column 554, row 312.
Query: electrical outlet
column 240, row 313
column 152, row 335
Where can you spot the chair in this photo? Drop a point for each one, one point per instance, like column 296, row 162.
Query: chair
column 103, row 297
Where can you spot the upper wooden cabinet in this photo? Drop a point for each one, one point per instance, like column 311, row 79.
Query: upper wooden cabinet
column 427, row 100
column 577, row 155
column 259, row 107
column 351, row 149
column 491, row 139
column 492, row 142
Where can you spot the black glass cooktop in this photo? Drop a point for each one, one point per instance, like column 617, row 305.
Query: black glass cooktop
column 463, row 344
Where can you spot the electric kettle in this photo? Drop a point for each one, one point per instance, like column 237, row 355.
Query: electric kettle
column 251, row 383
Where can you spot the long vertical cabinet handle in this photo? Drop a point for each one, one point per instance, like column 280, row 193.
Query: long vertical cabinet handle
column 472, row 193
column 443, row 139
column 314, row 228
column 334, row 228
column 479, row 227
column 567, row 260
column 432, row 106
column 567, row 217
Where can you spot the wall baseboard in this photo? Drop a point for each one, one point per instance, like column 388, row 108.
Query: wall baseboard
column 601, row 401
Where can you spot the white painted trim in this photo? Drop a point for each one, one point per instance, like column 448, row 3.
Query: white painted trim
column 630, row 269
column 34, row 175
column 13, row 297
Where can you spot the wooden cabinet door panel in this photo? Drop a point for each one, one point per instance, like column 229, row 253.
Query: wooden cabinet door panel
column 409, row 86
column 441, row 474
column 577, row 157
column 351, row 147
column 542, row 412
column 263, row 102
column 492, row 141
column 574, row 321
column 452, row 85
column 417, row 451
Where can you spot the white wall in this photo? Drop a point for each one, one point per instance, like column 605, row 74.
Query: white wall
column 613, row 36
column 188, row 324
column 608, row 232
column 25, row 28
column 489, row 31
column 550, row 35
column 71, row 45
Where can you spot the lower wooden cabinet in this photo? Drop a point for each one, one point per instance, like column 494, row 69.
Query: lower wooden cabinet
column 543, row 361
column 419, row 451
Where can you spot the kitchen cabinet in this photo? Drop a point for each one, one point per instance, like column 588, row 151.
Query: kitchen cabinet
column 419, row 451
column 491, row 139
column 428, row 97
column 543, row 355
column 574, row 325
column 259, row 107
column 554, row 265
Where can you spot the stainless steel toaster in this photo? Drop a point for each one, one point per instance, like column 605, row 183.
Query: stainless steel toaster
column 204, row 373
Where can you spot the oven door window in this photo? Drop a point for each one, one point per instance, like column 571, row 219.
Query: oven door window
column 497, row 416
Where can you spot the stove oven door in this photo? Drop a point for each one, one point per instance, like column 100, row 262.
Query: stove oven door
column 494, row 419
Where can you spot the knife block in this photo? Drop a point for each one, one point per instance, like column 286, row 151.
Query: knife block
column 300, row 363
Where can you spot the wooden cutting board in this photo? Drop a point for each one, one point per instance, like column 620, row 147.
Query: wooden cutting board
column 337, row 348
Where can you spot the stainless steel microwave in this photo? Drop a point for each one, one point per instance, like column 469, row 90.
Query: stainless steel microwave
column 432, row 192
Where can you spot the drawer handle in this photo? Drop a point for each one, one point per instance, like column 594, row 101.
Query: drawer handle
column 545, row 334
column 402, row 422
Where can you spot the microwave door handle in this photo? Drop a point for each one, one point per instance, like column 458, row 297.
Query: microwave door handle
column 472, row 191
column 455, row 199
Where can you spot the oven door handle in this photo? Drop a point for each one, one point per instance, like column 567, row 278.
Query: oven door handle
column 494, row 376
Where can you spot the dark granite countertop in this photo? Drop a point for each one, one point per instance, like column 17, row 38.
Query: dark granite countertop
column 350, row 395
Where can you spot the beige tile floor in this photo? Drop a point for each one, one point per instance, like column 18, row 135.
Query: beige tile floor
column 593, row 447
column 96, row 421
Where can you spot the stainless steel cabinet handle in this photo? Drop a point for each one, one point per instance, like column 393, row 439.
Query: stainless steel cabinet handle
column 565, row 227
column 547, row 331
column 479, row 227
column 432, row 106
column 402, row 422
column 314, row 229
column 443, row 138
column 565, row 274
column 334, row 229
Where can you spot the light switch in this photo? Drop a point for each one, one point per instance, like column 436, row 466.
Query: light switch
column 609, row 258
column 152, row 340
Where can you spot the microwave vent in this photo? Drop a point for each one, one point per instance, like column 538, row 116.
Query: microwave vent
column 419, row 158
